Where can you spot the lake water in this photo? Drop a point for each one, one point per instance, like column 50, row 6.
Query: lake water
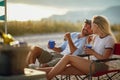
column 41, row 39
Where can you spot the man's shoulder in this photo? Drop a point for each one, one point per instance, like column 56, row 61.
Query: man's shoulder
column 75, row 33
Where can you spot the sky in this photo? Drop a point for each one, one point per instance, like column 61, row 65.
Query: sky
column 37, row 9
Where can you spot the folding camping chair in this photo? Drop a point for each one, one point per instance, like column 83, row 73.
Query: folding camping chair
column 109, row 74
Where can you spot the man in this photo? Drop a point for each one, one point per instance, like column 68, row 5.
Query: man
column 72, row 41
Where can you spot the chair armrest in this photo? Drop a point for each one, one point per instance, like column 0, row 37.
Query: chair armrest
column 84, row 55
column 106, row 60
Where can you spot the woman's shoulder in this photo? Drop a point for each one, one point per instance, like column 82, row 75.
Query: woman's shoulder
column 110, row 37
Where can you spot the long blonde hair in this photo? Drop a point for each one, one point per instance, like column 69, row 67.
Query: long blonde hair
column 103, row 24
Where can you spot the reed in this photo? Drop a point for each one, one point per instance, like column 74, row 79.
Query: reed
column 17, row 28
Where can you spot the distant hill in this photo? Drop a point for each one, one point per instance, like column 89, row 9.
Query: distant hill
column 113, row 14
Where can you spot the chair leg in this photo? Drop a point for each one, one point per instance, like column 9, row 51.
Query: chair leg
column 98, row 78
column 79, row 77
column 114, row 75
column 108, row 77
column 56, row 78
column 89, row 77
column 67, row 77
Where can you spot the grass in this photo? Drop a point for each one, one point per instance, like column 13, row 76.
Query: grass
column 44, row 26
column 17, row 28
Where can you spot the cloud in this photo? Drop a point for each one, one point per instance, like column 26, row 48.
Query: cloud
column 70, row 3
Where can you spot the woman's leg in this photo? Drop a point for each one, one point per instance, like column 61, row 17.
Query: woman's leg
column 77, row 62
column 70, row 70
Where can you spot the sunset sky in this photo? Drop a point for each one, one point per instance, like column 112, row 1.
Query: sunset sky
column 37, row 9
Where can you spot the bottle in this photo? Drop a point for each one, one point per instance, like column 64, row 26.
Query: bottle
column 7, row 38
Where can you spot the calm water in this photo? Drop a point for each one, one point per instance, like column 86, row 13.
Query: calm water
column 42, row 40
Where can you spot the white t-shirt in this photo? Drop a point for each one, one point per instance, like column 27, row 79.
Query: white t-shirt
column 100, row 44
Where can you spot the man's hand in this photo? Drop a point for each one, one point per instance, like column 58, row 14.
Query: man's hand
column 67, row 36
column 70, row 42
column 49, row 46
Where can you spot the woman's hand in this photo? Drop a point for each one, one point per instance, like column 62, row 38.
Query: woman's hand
column 89, row 51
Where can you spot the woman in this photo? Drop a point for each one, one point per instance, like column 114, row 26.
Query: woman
column 102, row 49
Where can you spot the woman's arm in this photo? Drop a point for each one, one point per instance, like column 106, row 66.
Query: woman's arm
column 105, row 55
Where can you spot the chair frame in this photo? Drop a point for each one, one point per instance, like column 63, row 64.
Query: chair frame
column 101, row 73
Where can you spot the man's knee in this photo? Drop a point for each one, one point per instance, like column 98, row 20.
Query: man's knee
column 36, row 50
column 33, row 54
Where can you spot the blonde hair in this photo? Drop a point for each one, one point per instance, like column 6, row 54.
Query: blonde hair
column 103, row 24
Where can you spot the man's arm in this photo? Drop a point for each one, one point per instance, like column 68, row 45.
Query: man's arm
column 57, row 49
column 70, row 42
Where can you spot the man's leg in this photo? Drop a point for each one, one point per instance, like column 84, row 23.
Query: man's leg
column 40, row 54
column 53, row 62
column 33, row 54
column 55, row 59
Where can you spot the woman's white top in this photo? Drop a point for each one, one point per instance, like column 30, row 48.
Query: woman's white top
column 100, row 44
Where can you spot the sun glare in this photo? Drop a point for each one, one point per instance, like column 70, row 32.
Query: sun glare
column 23, row 12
